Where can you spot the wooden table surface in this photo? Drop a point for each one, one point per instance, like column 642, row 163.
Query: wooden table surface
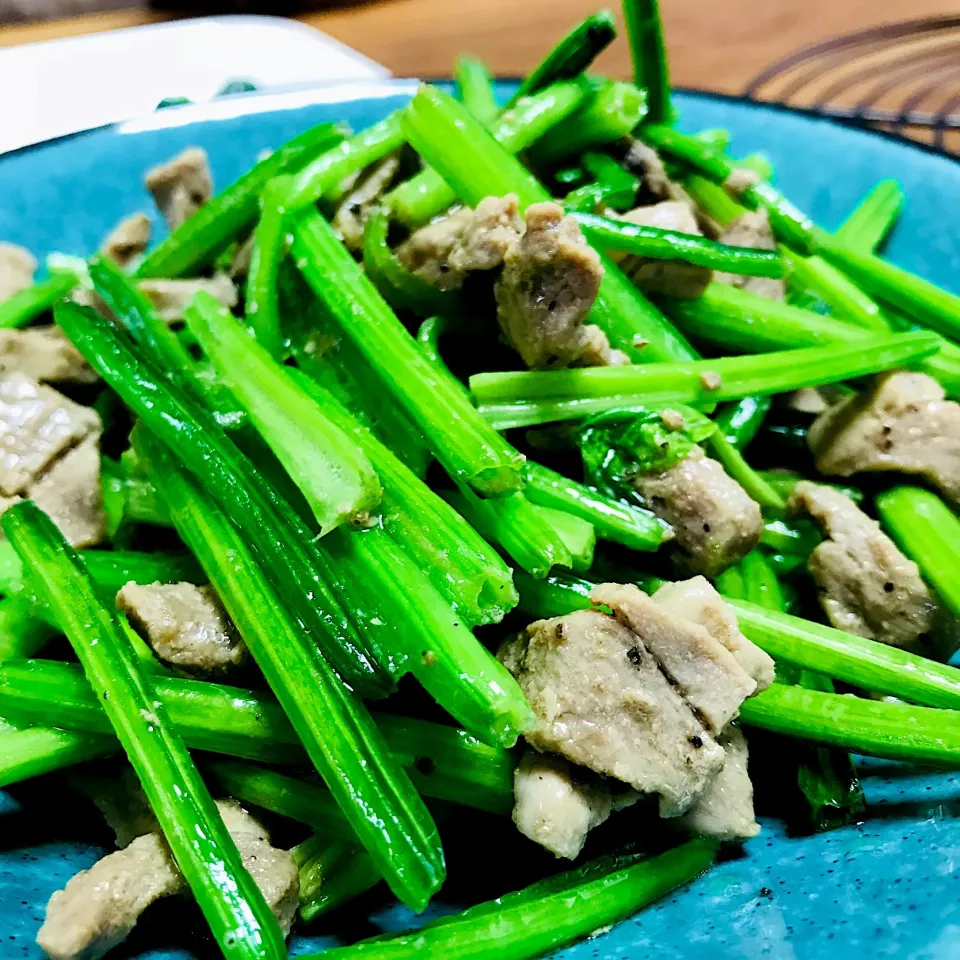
column 714, row 44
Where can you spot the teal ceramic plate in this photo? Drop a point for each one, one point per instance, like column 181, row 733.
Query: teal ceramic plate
column 889, row 887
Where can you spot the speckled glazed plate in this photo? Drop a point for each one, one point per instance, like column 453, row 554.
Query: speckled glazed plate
column 889, row 887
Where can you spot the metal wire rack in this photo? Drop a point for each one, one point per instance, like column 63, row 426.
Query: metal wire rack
column 900, row 77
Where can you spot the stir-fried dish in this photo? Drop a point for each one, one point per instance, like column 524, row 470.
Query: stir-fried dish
column 531, row 459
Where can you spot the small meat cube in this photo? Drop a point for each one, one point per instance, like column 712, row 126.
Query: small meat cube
column 37, row 425
column 668, row 278
column 17, row 267
column 549, row 282
column 602, row 701
column 70, row 492
column 725, row 809
column 128, row 240
column 43, row 354
column 493, row 230
column 426, row 252
column 597, row 351
column 697, row 600
column 714, row 521
column 181, row 186
column 903, row 424
column 185, row 625
column 703, row 670
column 867, row 586
column 353, row 210
column 171, row 298
column 752, row 229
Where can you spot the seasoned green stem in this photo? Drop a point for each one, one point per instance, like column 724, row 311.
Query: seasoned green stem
column 576, row 534
column 736, row 466
column 535, row 396
column 23, row 630
column 527, row 927
column 620, row 186
column 325, row 463
column 476, row 89
column 233, row 211
column 322, row 175
column 868, row 225
column 740, row 421
column 233, row 905
column 760, row 583
column 262, row 303
column 797, row 537
column 30, row 751
column 332, row 872
column 571, row 56
column 274, row 530
column 24, row 307
column 470, row 450
column 337, row 733
column 613, row 520
column 649, row 55
column 928, row 531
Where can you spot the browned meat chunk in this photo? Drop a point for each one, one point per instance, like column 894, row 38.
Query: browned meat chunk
column 185, row 625
column 714, row 521
column 867, row 586
column 361, row 198
column 602, row 701
column 181, row 186
column 697, row 600
column 752, row 229
column 669, row 278
column 703, row 670
column 171, row 298
column 128, row 240
column 903, row 424
column 725, row 809
column 549, row 282
column 17, row 267
column 493, row 230
column 43, row 354
column 427, row 251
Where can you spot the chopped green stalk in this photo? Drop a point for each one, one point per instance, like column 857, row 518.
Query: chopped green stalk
column 613, row 520
column 571, row 56
column 785, row 482
column 740, row 421
column 741, row 321
column 234, row 211
column 552, row 596
column 24, row 307
column 527, row 927
column 459, row 563
column 712, row 199
column 233, row 905
column 334, row 476
column 337, row 733
column 27, row 752
column 928, row 531
column 538, row 396
column 322, row 175
column 867, row 226
column 760, row 584
column 731, row 583
column 798, row 537
column 402, row 289
column 649, row 55
column 332, row 872
column 268, row 523
column 476, row 166
column 525, row 535
column 470, row 450
column 615, row 110
column 736, row 466
column 476, row 89
column 578, row 535
column 898, row 731
column 644, row 241
column 426, row 195
column 262, row 303
column 620, row 185
column 23, row 632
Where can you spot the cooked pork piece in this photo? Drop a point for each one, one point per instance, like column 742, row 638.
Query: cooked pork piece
column 725, row 808
column 669, row 278
column 181, row 186
column 867, row 586
column 128, row 240
column 697, row 600
column 43, row 354
column 99, row 907
column 185, row 626
column 494, row 228
column 752, row 229
column 602, row 701
column 903, row 424
column 714, row 521
column 171, row 298
column 704, row 671
column 549, row 282
column 353, row 210
column 17, row 267
column 427, row 251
